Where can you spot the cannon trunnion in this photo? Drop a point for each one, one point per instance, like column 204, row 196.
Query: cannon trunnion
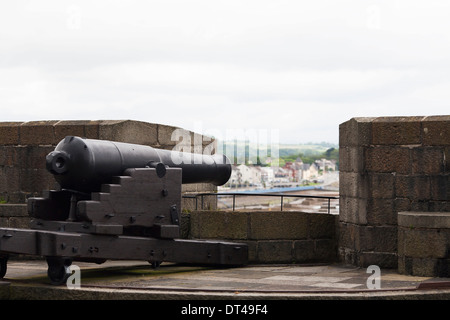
column 117, row 202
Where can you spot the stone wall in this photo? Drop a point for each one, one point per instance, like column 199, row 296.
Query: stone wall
column 388, row 165
column 424, row 243
column 24, row 145
column 272, row 237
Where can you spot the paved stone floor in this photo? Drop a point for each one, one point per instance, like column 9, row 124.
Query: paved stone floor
column 252, row 279
column 136, row 279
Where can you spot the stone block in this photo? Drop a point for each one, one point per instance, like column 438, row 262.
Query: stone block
column 388, row 159
column 185, row 225
column 353, row 210
column 381, row 185
column 356, row 132
column 378, row 239
column 272, row 251
column 420, row 267
column 428, row 220
column 353, row 184
column 92, row 129
column 417, row 187
column 447, row 160
column 348, row 256
column 8, row 155
column 440, row 187
column 418, row 243
column 69, row 128
column 173, row 138
column 37, row 133
column 436, row 130
column 80, row 128
column 368, row 238
column 442, row 267
column 13, row 210
column 349, row 236
column 304, row 251
column 405, row 265
column 420, row 205
column 191, row 187
column 205, row 202
column 15, row 197
column 351, row 159
column 322, row 226
column 386, row 260
column 427, row 160
column 165, row 137
column 19, row 222
column 219, row 225
column 252, row 251
column 188, row 205
column 325, row 250
column 206, row 187
column 32, row 156
column 402, row 204
column 396, row 130
column 438, row 206
column 278, row 225
column 34, row 181
column 381, row 212
column 4, row 222
column 211, row 146
column 9, row 133
column 9, row 179
column 129, row 131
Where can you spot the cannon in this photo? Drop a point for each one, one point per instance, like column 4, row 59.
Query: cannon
column 86, row 164
column 117, row 201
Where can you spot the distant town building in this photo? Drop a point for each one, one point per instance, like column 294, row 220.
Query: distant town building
column 326, row 165
column 292, row 172
column 243, row 175
column 299, row 171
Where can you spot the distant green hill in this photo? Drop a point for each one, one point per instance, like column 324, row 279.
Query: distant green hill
column 305, row 149
column 287, row 152
column 310, row 155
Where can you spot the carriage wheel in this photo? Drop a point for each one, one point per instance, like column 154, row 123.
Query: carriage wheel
column 58, row 270
column 3, row 266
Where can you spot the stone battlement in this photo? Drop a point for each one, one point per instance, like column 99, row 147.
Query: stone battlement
column 389, row 165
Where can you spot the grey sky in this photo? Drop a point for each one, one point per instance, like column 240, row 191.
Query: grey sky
column 300, row 67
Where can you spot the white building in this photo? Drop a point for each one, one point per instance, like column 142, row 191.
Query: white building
column 267, row 174
column 326, row 165
column 309, row 171
column 246, row 175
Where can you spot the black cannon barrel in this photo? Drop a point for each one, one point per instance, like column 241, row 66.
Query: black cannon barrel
column 84, row 164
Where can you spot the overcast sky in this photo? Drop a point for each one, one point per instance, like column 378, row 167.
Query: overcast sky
column 299, row 67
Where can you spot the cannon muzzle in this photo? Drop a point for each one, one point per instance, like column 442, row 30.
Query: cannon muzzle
column 84, row 164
